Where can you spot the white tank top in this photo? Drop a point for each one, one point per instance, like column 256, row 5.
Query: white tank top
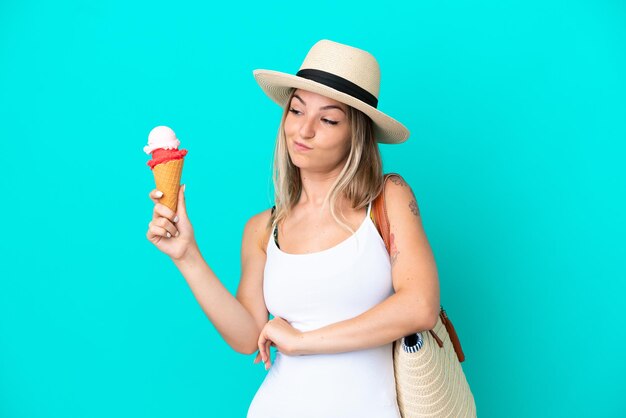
column 311, row 291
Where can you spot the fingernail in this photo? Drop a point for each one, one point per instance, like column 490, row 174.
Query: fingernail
column 159, row 194
column 184, row 187
column 176, row 219
column 169, row 235
column 177, row 233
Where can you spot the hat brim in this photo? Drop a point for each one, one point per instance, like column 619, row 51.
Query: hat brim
column 277, row 86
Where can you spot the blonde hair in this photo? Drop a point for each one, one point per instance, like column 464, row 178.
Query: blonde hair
column 360, row 180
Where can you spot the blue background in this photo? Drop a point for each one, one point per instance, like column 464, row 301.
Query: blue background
column 517, row 114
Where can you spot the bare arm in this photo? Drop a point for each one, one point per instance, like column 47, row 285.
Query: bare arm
column 239, row 320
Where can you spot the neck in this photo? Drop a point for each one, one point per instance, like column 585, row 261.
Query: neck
column 315, row 187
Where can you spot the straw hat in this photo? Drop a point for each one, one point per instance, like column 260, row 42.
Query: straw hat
column 340, row 72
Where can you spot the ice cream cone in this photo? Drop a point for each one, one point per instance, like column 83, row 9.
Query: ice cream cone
column 166, row 163
column 167, row 177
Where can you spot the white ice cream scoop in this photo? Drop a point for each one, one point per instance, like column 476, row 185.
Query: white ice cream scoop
column 161, row 137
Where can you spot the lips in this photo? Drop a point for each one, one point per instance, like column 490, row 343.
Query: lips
column 302, row 145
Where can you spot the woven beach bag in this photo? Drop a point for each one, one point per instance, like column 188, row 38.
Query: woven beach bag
column 429, row 378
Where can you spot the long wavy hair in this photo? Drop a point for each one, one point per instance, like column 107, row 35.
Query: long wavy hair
column 360, row 180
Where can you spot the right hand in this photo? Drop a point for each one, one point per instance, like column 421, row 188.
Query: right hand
column 175, row 246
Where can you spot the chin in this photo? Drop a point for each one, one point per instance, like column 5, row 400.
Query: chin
column 297, row 162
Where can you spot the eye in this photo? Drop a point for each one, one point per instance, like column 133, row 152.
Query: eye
column 326, row 121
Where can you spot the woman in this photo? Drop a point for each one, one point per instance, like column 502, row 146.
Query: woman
column 339, row 300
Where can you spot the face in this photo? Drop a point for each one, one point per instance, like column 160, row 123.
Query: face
column 321, row 125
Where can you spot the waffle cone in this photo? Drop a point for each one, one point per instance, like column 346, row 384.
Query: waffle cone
column 167, row 177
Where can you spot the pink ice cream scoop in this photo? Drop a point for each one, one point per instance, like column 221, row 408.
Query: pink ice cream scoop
column 161, row 137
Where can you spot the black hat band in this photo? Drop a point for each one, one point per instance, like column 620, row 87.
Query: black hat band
column 339, row 83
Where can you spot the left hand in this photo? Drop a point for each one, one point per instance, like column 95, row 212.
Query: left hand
column 282, row 335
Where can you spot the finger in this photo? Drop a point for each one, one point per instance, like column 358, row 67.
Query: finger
column 181, row 208
column 160, row 210
column 155, row 195
column 150, row 235
column 261, row 344
column 170, row 227
column 155, row 230
column 257, row 358
column 267, row 351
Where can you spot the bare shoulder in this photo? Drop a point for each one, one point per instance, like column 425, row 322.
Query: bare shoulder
column 399, row 194
column 256, row 229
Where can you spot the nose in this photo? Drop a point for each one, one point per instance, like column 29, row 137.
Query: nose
column 307, row 129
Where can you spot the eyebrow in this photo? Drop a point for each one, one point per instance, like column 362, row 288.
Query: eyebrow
column 323, row 107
